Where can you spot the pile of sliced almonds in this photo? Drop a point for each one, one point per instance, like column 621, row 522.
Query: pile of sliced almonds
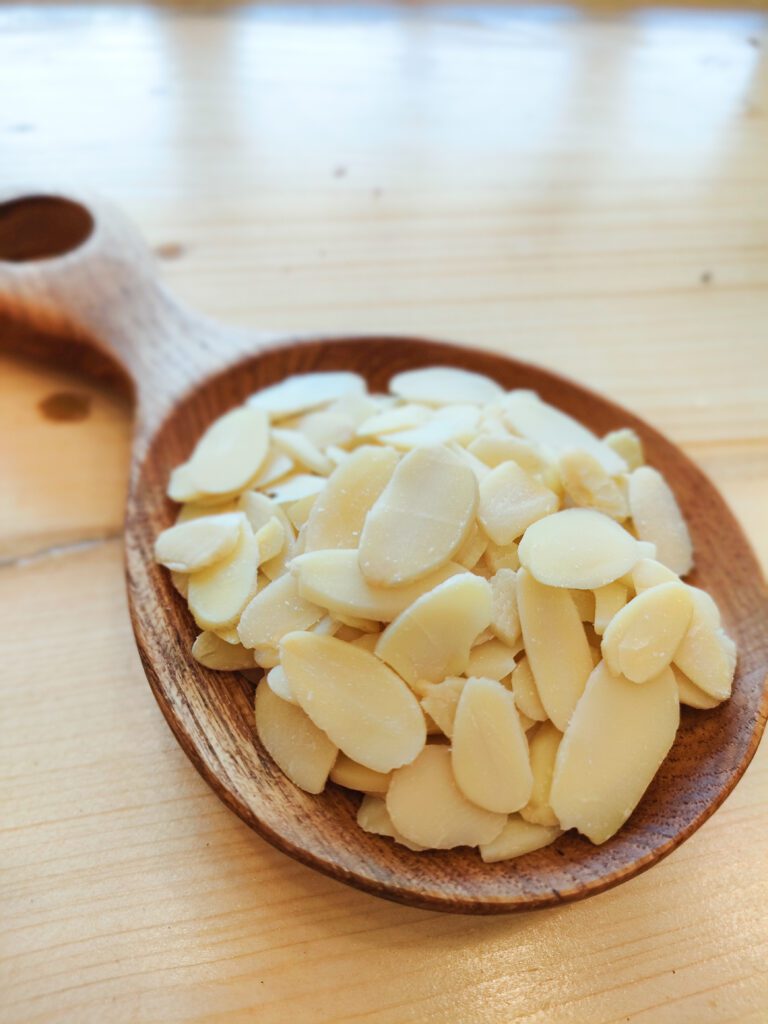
column 468, row 607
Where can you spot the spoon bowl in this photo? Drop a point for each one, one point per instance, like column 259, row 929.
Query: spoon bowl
column 97, row 306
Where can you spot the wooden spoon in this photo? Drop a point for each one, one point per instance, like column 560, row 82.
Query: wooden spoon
column 77, row 285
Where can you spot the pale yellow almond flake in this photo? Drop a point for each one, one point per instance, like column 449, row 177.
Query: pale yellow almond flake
column 706, row 654
column 615, row 743
column 510, row 501
column 218, row 594
column 360, row 703
column 351, row 775
column 543, row 745
column 492, row 660
column 526, row 693
column 588, row 485
column 577, row 548
column 628, row 445
column 305, row 391
column 505, row 621
column 373, row 817
column 428, row 808
column 230, row 452
column 301, row 750
column 191, row 546
column 445, row 385
column 556, row 645
column 420, row 520
column 215, row 653
column 609, row 600
column 658, row 519
column 276, row 610
column 641, row 639
column 433, row 637
column 517, row 838
column 489, row 750
column 440, row 701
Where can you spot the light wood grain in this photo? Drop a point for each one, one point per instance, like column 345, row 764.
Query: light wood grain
column 568, row 219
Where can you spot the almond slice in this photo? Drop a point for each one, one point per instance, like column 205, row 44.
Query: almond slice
column 609, row 600
column 526, row 694
column 588, row 484
column 489, row 752
column 230, row 452
column 305, row 391
column 505, row 621
column 518, row 837
column 473, row 548
column 333, row 580
column 365, row 709
column 215, row 653
column 327, row 428
column 276, row 466
column 537, row 421
column 278, row 684
column 707, row 655
column 193, row 545
column 543, row 747
column 440, row 701
column 301, row 450
column 501, row 556
column 556, row 645
column 373, row 817
column 338, row 515
column 650, row 573
column 433, row 637
column 615, row 743
column 420, row 519
column 351, row 775
column 628, row 445
column 218, row 594
column 295, row 488
column 401, row 417
column 641, row 639
column 691, row 694
column 299, row 748
column 585, row 604
column 657, row 518
column 444, row 385
column 276, row 610
column 453, row 423
column 510, row 500
column 428, row 808
column 578, row 549
column 492, row 660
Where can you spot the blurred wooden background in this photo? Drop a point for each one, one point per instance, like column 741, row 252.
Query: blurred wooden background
column 586, row 187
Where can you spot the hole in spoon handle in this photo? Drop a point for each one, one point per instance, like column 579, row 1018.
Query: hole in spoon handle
column 78, row 286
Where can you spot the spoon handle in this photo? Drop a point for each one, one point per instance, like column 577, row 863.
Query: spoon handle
column 78, row 286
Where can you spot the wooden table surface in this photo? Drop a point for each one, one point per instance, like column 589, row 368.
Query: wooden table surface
column 582, row 187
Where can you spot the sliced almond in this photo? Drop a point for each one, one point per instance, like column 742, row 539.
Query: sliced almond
column 193, row 545
column 420, row 520
column 180, row 583
column 300, row 510
column 401, row 417
column 365, row 709
column 440, row 701
column 271, row 538
column 492, row 660
column 299, row 447
column 338, row 515
column 526, row 692
column 428, row 808
column 495, row 449
column 556, row 645
column 517, row 838
column 510, row 500
column 326, row 428
column 333, row 580
column 266, row 657
column 433, row 637
column 194, row 510
column 351, row 775
column 577, row 548
column 501, row 556
column 278, row 684
column 276, row 466
column 295, row 488
column 489, row 752
column 691, row 694
column 215, row 653
column 299, row 748
column 585, row 604
column 444, row 385
column 537, row 421
column 657, row 518
column 707, row 655
column 473, row 548
column 229, row 635
column 609, row 600
column 367, row 641
column 543, row 746
column 275, row 611
column 453, row 423
column 230, row 452
column 641, row 639
column 628, row 445
column 587, row 484
column 650, row 573
column 479, row 468
column 615, row 743
column 182, row 486
column 327, row 626
column 373, row 817
column 305, row 391
column 218, row 594
column 505, row 621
